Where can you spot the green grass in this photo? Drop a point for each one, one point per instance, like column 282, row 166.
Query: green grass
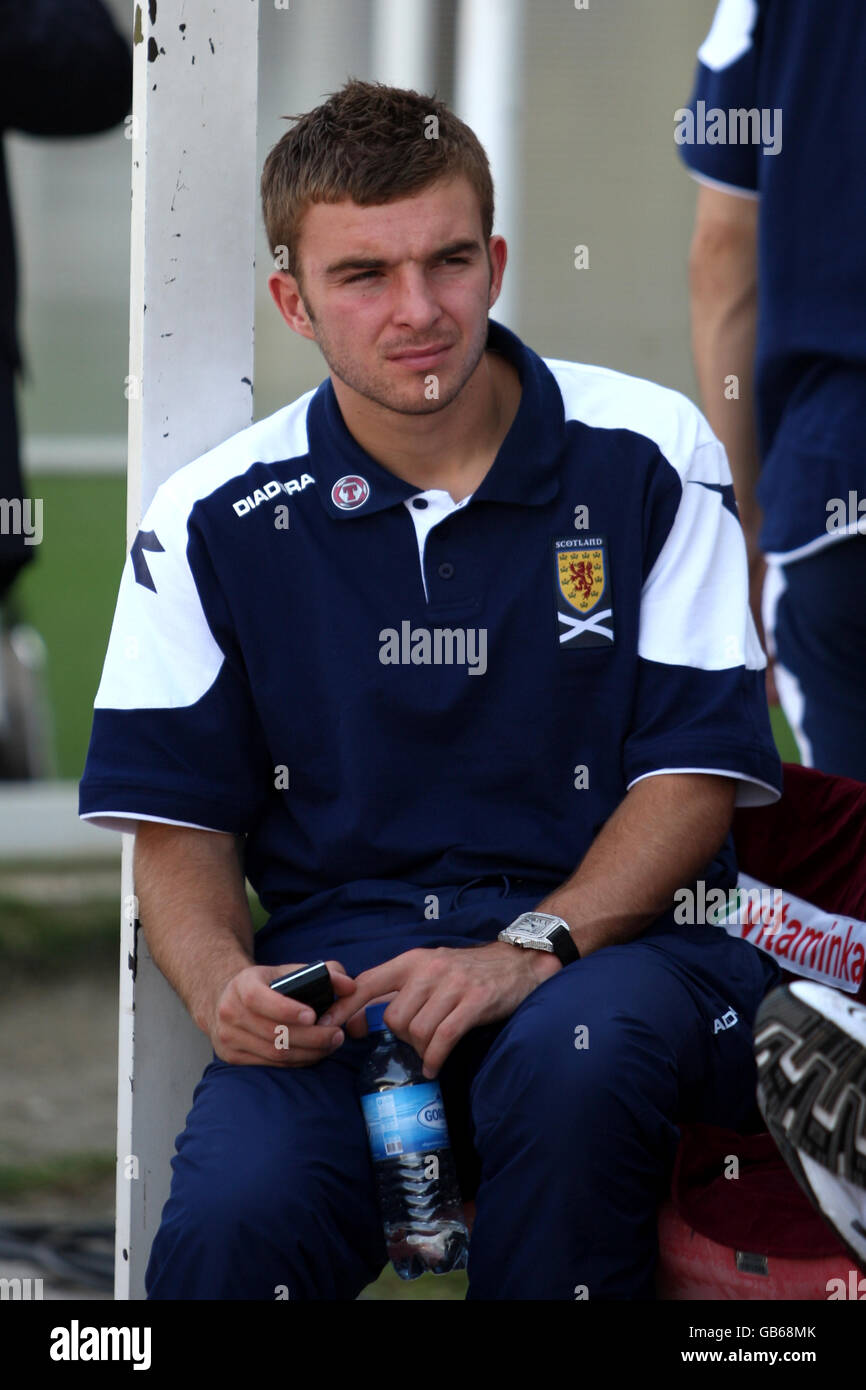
column 70, row 1175
column 389, row 1286
column 51, row 939
column 68, row 592
column 785, row 743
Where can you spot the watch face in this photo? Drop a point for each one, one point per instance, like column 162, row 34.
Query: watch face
column 544, row 932
column 533, row 929
column 538, row 924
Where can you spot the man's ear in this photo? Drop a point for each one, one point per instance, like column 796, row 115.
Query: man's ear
column 498, row 255
column 286, row 294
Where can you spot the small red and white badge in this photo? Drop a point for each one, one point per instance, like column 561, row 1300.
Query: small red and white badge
column 350, row 492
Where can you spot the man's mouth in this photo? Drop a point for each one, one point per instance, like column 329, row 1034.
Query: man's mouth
column 423, row 356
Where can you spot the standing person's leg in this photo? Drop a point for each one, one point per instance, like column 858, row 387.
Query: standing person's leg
column 576, row 1107
column 814, row 614
column 272, row 1193
column 14, row 550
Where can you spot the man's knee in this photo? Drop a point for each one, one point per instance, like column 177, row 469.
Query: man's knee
column 265, row 1196
column 580, row 1066
column 281, row 1229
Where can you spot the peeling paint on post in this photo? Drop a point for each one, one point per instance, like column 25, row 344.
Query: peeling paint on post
column 191, row 354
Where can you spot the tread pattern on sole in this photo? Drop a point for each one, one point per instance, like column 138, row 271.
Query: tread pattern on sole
column 812, row 1085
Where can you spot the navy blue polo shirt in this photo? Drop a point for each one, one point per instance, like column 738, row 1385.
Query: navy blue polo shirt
column 373, row 683
column 797, row 70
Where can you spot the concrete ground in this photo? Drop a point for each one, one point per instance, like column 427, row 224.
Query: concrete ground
column 58, row 1081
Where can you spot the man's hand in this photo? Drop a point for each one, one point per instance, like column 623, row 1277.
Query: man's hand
column 251, row 1023
column 443, row 992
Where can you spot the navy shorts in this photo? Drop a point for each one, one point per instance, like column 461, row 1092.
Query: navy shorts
column 817, row 625
column 564, row 1138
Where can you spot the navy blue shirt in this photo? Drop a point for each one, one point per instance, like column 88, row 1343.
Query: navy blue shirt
column 375, row 684
column 800, row 66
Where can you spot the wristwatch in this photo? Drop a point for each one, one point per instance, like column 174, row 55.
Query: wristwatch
column 541, row 931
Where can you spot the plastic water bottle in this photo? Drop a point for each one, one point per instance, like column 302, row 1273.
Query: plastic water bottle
column 422, row 1210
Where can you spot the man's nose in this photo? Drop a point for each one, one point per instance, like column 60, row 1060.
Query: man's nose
column 415, row 303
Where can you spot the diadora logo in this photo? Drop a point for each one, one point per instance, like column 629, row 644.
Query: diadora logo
column 247, row 504
column 727, row 1020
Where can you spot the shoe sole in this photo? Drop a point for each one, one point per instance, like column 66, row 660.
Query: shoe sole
column 812, row 1083
column 812, row 1094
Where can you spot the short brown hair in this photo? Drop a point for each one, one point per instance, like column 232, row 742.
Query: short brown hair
column 370, row 143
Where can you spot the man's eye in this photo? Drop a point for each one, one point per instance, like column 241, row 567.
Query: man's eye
column 367, row 274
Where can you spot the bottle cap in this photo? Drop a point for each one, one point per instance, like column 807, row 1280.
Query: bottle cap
column 375, row 1016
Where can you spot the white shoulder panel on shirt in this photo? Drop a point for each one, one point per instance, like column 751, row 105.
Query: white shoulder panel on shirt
column 730, row 34
column 694, row 609
column 282, row 435
column 605, row 399
column 161, row 652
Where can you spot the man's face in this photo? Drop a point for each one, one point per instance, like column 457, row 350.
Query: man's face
column 382, row 282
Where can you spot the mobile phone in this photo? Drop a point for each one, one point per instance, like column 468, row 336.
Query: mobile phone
column 310, row 985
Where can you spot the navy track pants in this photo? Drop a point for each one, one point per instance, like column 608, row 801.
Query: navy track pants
column 566, row 1139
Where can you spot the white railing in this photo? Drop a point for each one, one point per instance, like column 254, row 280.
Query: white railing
column 77, row 453
column 39, row 820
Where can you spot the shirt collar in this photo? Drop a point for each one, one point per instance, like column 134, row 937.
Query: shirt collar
column 351, row 482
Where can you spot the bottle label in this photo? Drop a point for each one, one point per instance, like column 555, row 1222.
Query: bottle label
column 405, row 1120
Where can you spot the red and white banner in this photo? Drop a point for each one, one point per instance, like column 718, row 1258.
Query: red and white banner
column 804, row 939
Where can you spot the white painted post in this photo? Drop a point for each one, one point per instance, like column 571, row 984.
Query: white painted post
column 489, row 99
column 404, row 43
column 194, row 200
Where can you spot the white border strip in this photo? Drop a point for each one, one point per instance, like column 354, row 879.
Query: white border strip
column 723, row 187
column 744, row 796
column 74, row 453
